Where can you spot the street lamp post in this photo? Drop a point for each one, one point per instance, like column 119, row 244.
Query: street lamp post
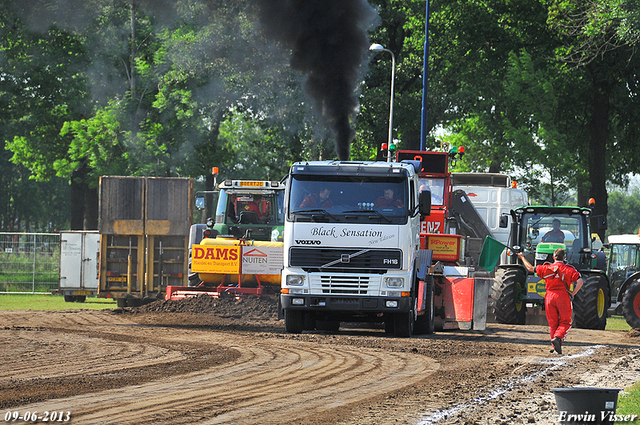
column 378, row 48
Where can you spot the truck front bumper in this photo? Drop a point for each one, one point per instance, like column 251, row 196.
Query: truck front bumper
column 320, row 303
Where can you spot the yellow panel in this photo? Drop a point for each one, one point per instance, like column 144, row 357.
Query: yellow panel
column 215, row 259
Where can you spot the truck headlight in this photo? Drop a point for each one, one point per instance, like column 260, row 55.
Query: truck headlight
column 295, row 280
column 394, row 282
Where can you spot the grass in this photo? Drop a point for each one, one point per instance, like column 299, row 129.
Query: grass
column 629, row 404
column 617, row 323
column 51, row 302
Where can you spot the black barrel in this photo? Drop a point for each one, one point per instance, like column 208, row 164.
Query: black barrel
column 583, row 405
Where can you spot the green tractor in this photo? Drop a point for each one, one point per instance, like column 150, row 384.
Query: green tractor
column 538, row 231
column 624, row 273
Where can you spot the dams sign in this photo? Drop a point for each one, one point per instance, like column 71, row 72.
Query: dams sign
column 228, row 259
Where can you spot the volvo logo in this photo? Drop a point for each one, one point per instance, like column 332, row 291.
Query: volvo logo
column 345, row 258
column 307, row 242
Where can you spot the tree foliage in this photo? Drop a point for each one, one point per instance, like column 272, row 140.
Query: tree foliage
column 543, row 90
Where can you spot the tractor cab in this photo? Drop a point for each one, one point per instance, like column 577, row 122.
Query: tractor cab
column 624, row 266
column 542, row 230
column 257, row 206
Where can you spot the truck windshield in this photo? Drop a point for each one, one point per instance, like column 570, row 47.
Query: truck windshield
column 349, row 199
column 558, row 228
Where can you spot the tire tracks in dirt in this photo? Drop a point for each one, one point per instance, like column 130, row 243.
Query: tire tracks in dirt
column 272, row 381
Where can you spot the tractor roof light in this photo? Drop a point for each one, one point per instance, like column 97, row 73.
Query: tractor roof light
column 592, row 203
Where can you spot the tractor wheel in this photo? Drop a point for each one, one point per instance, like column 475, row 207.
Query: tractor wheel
column 631, row 305
column 425, row 323
column 508, row 291
column 194, row 280
column 404, row 323
column 591, row 302
column 293, row 321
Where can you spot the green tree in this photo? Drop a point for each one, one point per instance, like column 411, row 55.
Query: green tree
column 624, row 212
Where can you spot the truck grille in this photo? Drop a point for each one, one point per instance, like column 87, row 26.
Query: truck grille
column 340, row 285
column 346, row 260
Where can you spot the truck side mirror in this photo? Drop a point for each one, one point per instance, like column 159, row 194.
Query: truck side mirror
column 424, row 203
column 504, row 221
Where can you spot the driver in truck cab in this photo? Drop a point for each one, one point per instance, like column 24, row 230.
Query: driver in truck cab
column 387, row 200
column 318, row 200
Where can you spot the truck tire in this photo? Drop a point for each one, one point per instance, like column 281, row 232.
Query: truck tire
column 631, row 305
column 508, row 290
column 293, row 321
column 591, row 302
column 389, row 324
column 404, row 323
column 425, row 323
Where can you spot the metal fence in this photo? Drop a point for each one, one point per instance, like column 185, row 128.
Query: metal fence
column 29, row 262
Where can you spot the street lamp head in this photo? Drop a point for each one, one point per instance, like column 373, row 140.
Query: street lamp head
column 376, row 47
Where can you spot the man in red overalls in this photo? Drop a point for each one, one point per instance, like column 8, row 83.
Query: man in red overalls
column 558, row 278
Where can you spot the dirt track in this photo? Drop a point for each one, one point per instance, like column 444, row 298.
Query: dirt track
column 208, row 361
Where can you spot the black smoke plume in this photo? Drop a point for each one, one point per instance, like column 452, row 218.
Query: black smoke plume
column 329, row 43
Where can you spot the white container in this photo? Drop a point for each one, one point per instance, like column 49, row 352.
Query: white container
column 79, row 265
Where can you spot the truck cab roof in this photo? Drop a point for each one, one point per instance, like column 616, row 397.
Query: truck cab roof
column 354, row 167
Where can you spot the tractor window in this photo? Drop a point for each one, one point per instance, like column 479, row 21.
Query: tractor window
column 624, row 260
column 555, row 229
column 241, row 208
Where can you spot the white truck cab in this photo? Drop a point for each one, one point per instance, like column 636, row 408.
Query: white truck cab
column 351, row 241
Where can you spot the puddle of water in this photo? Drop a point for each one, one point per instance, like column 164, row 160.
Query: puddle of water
column 554, row 363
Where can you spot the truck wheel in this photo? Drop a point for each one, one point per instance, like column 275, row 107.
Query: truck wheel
column 293, row 321
column 425, row 323
column 389, row 324
column 508, row 291
column 69, row 298
column 631, row 305
column 80, row 298
column 591, row 302
column 404, row 323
